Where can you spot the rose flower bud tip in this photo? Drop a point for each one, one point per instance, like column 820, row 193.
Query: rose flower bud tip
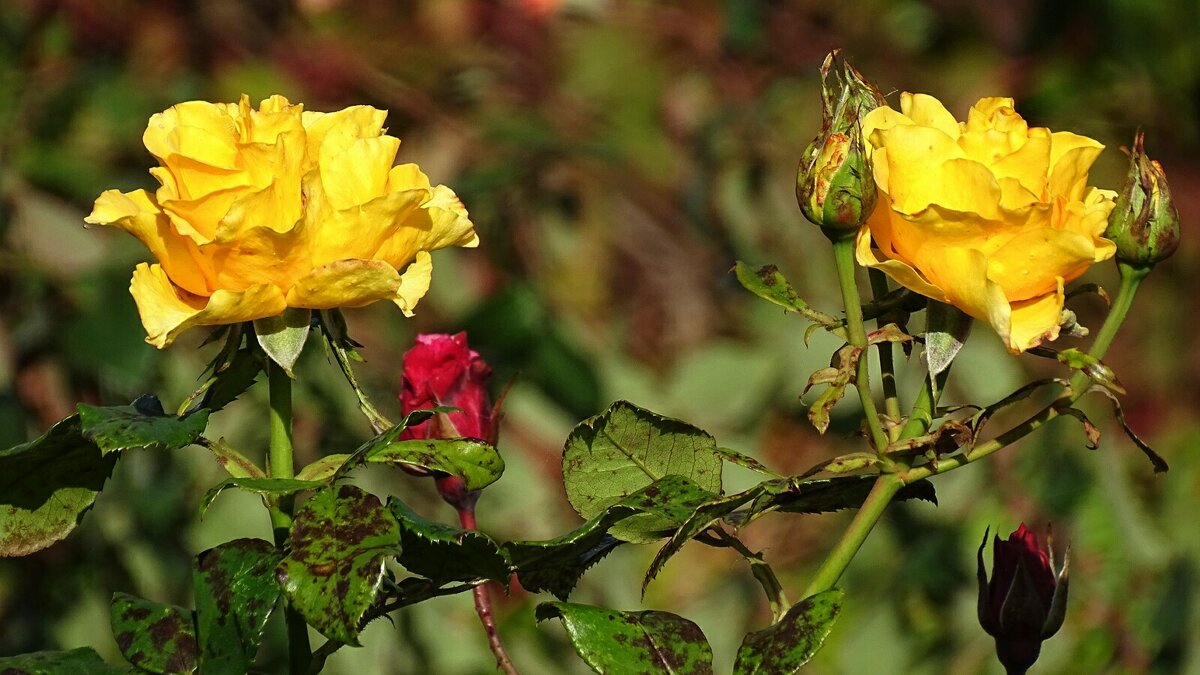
column 1145, row 223
column 1025, row 602
column 834, row 185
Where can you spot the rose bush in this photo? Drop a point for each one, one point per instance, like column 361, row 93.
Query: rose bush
column 989, row 215
column 258, row 210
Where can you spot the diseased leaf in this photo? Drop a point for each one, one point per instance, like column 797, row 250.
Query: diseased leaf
column 946, row 331
column 625, row 449
column 980, row 418
column 745, row 461
column 853, row 462
column 155, row 637
column 84, row 661
column 340, row 538
column 555, row 565
column 1090, row 430
column 235, row 591
column 282, row 337
column 632, row 643
column 1156, row 460
column 46, row 485
column 136, row 427
column 268, row 487
column 768, row 283
column 785, row 647
column 836, row 377
column 443, row 553
column 476, row 462
column 323, row 469
column 235, row 463
column 229, row 380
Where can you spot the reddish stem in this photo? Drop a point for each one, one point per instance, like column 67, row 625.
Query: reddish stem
column 483, row 601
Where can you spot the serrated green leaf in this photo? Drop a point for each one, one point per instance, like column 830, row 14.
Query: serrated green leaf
column 155, row 637
column 823, row 495
column 632, row 643
column 282, row 337
column 474, row 461
column 235, row 591
column 270, row 487
column 768, row 283
column 946, row 331
column 126, row 427
column 786, row 646
column 340, row 538
column 625, row 449
column 704, row 517
column 384, row 438
column 235, row 463
column 324, row 468
column 555, row 565
column 46, row 485
column 82, row 661
column 443, row 553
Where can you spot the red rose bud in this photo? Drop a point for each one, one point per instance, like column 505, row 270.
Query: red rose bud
column 1025, row 602
column 441, row 370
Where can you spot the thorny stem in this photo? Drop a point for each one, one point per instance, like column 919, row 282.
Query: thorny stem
column 887, row 485
column 483, row 602
column 762, row 573
column 887, row 366
column 920, row 419
column 280, row 464
column 843, row 253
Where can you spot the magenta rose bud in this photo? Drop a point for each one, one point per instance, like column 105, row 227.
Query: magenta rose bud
column 1026, row 600
column 441, row 370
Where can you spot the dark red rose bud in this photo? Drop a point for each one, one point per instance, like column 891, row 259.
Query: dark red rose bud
column 441, row 370
column 1025, row 602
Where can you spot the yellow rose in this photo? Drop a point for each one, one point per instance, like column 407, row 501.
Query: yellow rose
column 261, row 210
column 988, row 215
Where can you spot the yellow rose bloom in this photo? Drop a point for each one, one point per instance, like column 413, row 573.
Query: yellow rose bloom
column 988, row 215
column 263, row 209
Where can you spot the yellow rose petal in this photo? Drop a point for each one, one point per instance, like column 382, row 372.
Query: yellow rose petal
column 1071, row 156
column 414, row 283
column 1029, row 263
column 927, row 111
column 136, row 213
column 359, row 173
column 345, row 283
column 167, row 310
column 1036, row 320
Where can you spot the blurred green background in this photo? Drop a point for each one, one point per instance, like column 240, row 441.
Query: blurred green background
column 616, row 157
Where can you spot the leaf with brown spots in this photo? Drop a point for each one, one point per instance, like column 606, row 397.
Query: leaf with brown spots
column 141, row 426
column 82, row 660
column 768, row 283
column 235, row 591
column 632, row 643
column 155, row 637
column 46, row 485
column 625, row 449
column 340, row 538
column 786, row 646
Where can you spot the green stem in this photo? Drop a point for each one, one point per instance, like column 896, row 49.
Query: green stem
column 280, row 464
column 843, row 253
column 1131, row 278
column 886, row 486
column 921, row 417
column 887, row 355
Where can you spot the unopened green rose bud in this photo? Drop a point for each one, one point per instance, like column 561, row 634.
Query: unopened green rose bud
column 1144, row 224
column 835, row 185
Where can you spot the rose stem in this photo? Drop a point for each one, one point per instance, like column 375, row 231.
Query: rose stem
column 280, row 465
column 887, row 366
column 483, row 602
column 843, row 253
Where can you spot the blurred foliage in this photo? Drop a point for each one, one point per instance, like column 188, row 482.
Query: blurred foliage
column 617, row 156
